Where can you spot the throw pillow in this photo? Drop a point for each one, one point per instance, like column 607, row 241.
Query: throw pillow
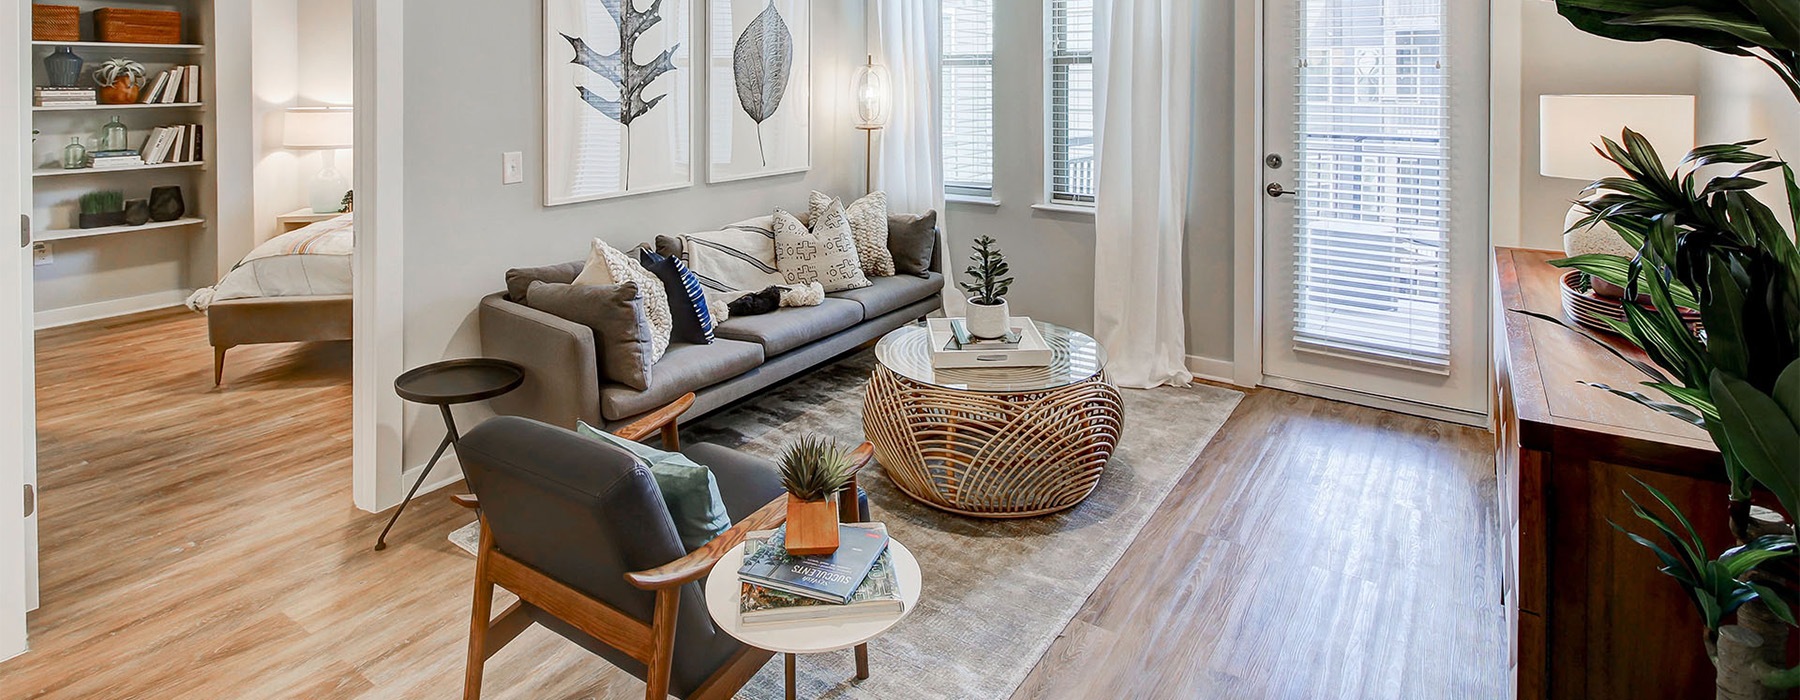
column 608, row 265
column 622, row 334
column 826, row 254
column 913, row 239
column 520, row 278
column 754, row 303
column 737, row 258
column 810, row 294
column 693, row 322
column 688, row 489
column 868, row 225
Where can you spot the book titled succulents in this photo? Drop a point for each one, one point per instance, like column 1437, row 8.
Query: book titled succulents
column 833, row 578
column 878, row 595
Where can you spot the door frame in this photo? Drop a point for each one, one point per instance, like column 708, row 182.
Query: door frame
column 18, row 446
column 379, row 325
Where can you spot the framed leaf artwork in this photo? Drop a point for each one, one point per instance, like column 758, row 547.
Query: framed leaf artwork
column 759, row 88
column 618, row 90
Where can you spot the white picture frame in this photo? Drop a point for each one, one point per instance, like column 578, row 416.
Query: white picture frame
column 589, row 154
column 738, row 146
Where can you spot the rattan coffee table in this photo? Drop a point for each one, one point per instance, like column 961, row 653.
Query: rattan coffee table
column 993, row 442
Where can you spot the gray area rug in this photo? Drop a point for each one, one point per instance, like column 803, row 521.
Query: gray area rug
column 996, row 592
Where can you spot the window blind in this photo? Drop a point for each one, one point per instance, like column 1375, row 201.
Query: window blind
column 1371, row 267
column 1071, row 147
column 967, row 64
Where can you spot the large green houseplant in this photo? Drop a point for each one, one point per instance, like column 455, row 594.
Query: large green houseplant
column 1704, row 241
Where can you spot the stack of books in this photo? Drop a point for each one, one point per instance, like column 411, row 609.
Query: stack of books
column 178, row 84
column 179, row 143
column 64, row 97
column 104, row 160
column 856, row 581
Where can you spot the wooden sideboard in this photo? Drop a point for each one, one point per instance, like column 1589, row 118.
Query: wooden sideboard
column 1590, row 614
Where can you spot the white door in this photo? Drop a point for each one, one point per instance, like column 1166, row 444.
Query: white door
column 18, row 448
column 1375, row 206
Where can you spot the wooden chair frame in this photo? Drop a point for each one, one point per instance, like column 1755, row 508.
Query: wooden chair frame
column 652, row 643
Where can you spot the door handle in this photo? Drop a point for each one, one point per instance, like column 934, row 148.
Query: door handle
column 1276, row 190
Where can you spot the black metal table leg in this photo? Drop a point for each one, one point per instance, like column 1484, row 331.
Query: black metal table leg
column 450, row 438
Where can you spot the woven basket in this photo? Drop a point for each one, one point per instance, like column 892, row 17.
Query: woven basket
column 55, row 23
column 126, row 26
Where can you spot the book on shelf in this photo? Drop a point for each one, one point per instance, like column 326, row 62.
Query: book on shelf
column 833, row 578
column 152, row 91
column 176, row 76
column 190, row 88
column 879, row 594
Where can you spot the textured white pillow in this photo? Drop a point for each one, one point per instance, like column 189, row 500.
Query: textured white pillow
column 826, row 254
column 607, row 265
column 868, row 225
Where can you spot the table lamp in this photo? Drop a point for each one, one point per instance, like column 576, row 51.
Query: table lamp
column 323, row 129
column 872, row 90
column 1571, row 126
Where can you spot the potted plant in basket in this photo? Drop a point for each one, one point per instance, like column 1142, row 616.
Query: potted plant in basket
column 988, row 315
column 103, row 208
column 119, row 79
column 814, row 472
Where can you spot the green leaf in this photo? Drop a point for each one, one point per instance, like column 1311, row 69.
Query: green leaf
column 1787, row 393
column 1761, row 436
column 1617, row 270
column 1634, row 362
column 1781, row 18
column 1680, row 412
column 1777, row 607
column 1689, row 18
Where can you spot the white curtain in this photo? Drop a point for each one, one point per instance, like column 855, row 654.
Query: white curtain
column 904, row 36
column 1144, row 75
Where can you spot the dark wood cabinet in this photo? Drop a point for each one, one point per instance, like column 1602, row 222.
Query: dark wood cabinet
column 1591, row 616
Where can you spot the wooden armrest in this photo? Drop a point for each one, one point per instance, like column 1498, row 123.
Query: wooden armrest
column 861, row 457
column 466, row 500
column 662, row 419
column 700, row 561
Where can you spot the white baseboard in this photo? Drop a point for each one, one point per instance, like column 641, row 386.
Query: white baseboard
column 448, row 471
column 51, row 318
column 1449, row 415
column 1212, row 369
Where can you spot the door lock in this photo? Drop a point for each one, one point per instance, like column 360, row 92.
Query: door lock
column 1276, row 190
column 1274, row 161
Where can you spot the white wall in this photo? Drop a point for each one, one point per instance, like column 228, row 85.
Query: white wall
column 302, row 58
column 1741, row 99
column 473, row 91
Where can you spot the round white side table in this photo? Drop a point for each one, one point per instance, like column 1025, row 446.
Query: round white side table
column 723, row 589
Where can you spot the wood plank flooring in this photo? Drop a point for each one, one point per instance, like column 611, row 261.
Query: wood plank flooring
column 201, row 543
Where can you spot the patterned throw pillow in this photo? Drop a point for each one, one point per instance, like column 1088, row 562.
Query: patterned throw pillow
column 608, row 265
column 826, row 254
column 692, row 319
column 737, row 258
column 868, row 224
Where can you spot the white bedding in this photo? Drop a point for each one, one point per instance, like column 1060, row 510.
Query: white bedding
column 311, row 261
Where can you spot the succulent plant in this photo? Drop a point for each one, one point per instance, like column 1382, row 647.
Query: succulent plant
column 111, row 71
column 102, row 202
column 988, row 280
column 814, row 468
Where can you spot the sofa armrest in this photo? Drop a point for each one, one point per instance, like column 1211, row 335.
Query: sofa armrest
column 562, row 370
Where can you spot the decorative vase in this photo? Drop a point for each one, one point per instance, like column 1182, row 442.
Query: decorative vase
column 63, row 67
column 74, row 155
column 137, row 212
column 123, row 91
column 988, row 320
column 812, row 526
column 101, row 220
column 117, row 137
column 166, row 203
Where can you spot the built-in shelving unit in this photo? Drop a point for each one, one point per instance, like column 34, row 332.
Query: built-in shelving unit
column 58, row 172
column 63, row 234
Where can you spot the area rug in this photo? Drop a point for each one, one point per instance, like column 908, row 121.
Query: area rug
column 996, row 592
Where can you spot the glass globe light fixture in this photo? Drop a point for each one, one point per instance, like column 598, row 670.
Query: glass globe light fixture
column 871, row 89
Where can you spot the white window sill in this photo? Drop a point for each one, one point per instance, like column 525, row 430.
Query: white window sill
column 1061, row 208
column 972, row 199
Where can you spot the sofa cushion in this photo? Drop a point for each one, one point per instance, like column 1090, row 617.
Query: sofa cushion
column 519, row 279
column 687, row 304
column 683, row 368
column 689, row 489
column 889, row 294
column 746, row 483
column 912, row 240
column 789, row 328
column 616, row 315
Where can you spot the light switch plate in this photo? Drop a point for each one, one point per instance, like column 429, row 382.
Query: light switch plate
column 512, row 168
column 41, row 254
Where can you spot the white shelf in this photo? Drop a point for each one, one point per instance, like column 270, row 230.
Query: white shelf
column 55, row 172
column 63, row 234
column 134, row 105
column 119, row 45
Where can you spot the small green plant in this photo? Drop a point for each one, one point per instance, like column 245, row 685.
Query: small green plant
column 102, row 202
column 988, row 282
column 813, row 468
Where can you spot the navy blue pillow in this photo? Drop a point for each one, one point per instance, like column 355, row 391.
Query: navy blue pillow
column 687, row 303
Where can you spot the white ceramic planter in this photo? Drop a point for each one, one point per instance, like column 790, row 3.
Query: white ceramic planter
column 986, row 321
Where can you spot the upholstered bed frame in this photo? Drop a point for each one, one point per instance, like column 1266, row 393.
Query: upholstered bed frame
column 237, row 322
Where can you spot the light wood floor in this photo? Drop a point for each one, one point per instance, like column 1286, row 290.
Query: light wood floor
column 201, row 544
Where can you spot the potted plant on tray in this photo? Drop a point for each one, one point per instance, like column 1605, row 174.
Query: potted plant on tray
column 101, row 209
column 988, row 315
column 814, row 472
column 119, row 79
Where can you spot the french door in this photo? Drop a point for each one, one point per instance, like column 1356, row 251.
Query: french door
column 1374, row 209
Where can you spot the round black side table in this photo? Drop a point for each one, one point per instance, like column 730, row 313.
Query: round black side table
column 445, row 384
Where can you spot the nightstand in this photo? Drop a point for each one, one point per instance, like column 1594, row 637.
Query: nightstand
column 300, row 218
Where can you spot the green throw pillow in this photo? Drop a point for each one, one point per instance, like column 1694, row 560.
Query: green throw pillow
column 688, row 489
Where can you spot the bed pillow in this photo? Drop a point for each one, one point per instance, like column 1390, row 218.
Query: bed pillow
column 826, row 254
column 688, row 489
column 692, row 320
column 868, row 226
column 913, row 239
column 622, row 334
column 608, row 265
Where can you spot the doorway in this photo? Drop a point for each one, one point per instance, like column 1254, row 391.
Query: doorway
column 1374, row 203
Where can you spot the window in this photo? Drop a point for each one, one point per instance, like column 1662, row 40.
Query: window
column 1071, row 147
column 968, row 72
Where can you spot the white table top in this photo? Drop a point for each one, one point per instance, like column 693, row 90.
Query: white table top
column 723, row 589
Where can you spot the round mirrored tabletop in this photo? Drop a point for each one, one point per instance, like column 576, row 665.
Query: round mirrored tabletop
column 1077, row 358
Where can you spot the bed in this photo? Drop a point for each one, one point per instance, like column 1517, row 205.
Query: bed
column 294, row 288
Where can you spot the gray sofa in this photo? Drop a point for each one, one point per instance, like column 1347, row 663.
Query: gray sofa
column 562, row 375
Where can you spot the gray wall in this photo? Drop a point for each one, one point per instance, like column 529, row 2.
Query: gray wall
column 473, row 91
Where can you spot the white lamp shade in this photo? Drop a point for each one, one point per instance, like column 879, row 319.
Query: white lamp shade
column 1570, row 126
column 872, row 93
column 319, row 129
